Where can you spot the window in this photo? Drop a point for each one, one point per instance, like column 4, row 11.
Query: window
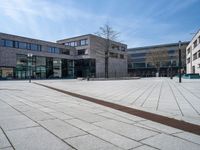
column 195, row 43
column 9, row 43
column 83, row 42
column 65, row 51
column 138, row 55
column 75, row 43
column 172, row 51
column 188, row 60
column 22, row 45
column 72, row 44
column 113, row 55
column 199, row 39
column 53, row 50
column 199, row 53
column 123, row 48
column 121, row 56
column 194, row 56
column 1, row 42
column 34, row 47
column 139, row 65
column 28, row 46
column 56, row 50
column 115, row 47
column 39, row 47
column 81, row 52
column 16, row 44
column 188, row 50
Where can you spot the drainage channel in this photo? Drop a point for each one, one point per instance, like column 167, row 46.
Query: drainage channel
column 179, row 124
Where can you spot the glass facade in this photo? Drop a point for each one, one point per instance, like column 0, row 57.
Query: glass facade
column 48, row 68
column 85, row 67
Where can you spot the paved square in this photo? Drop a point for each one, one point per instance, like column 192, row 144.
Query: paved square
column 33, row 117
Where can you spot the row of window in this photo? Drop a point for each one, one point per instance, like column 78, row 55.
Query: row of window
column 21, row 45
column 116, row 47
column 53, row 50
column 195, row 56
column 82, row 42
column 195, row 43
column 144, row 54
column 115, row 55
column 31, row 46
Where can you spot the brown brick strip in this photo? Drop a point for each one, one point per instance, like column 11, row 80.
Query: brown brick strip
column 185, row 126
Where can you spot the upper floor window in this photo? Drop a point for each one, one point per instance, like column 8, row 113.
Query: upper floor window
column 22, row 45
column 121, row 56
column 53, row 50
column 138, row 55
column 35, row 47
column 65, row 51
column 57, row 50
column 83, row 42
column 172, row 51
column 188, row 60
column 123, row 48
column 199, row 53
column 9, row 43
column 68, row 43
column 116, row 47
column 195, row 43
column 113, row 55
column 194, row 56
column 188, row 50
column 1, row 42
column 81, row 52
column 16, row 44
column 199, row 39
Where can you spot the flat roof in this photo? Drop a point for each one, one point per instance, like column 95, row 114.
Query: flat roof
column 158, row 46
column 17, row 36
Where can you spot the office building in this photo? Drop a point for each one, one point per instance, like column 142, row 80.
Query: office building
column 93, row 47
column 193, row 55
column 138, row 65
column 70, row 58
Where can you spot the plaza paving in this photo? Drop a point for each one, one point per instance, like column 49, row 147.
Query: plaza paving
column 157, row 95
column 33, row 117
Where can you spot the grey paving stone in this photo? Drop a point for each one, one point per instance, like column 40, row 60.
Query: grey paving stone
column 36, row 138
column 38, row 115
column 144, row 147
column 116, row 117
column 166, row 142
column 127, row 130
column 61, row 115
column 160, row 127
column 82, row 124
column 3, row 140
column 115, row 139
column 89, row 142
column 16, row 122
column 23, row 108
column 88, row 117
column 61, row 128
column 7, row 112
column 189, row 136
column 7, row 148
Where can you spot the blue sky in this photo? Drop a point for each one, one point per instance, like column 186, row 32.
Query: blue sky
column 140, row 22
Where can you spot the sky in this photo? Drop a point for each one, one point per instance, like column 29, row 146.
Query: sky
column 139, row 22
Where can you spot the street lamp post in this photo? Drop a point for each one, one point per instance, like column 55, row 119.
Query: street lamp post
column 179, row 61
column 30, row 55
column 171, row 70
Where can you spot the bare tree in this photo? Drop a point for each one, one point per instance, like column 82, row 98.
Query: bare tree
column 108, row 34
column 156, row 58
